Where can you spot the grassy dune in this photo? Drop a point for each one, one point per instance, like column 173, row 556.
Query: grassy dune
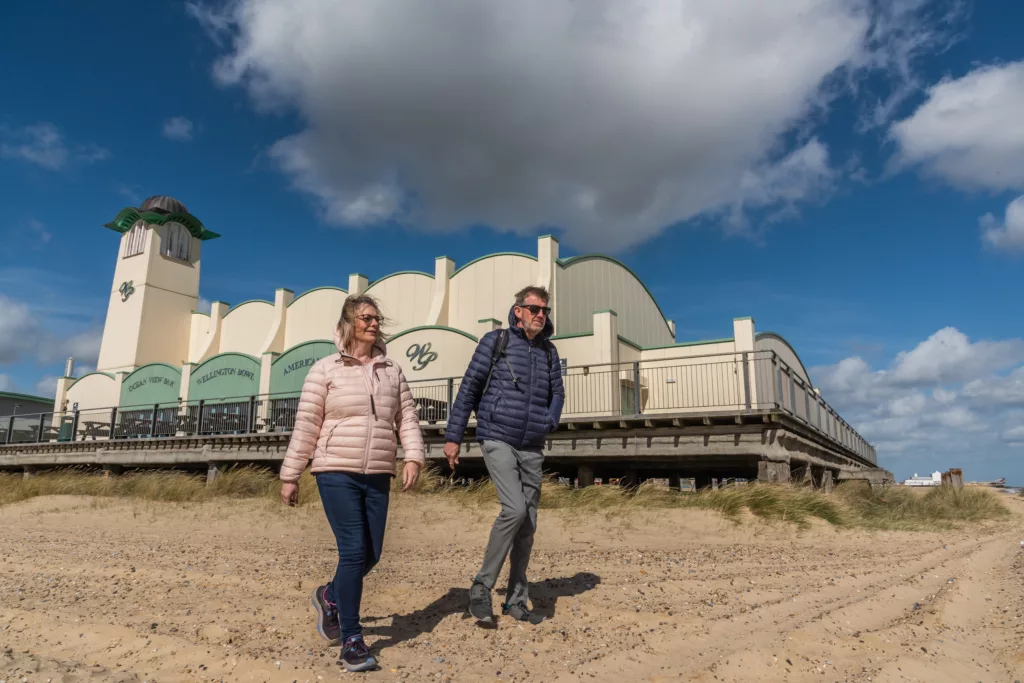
column 851, row 505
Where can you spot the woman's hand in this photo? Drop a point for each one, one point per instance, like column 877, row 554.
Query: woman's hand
column 410, row 474
column 290, row 493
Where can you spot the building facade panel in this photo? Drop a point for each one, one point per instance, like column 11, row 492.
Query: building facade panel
column 429, row 353
column 290, row 368
column 769, row 341
column 95, row 390
column 226, row 376
column 592, row 283
column 313, row 315
column 486, row 288
column 151, row 384
column 404, row 299
column 245, row 327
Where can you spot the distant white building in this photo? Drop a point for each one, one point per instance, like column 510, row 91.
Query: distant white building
column 934, row 480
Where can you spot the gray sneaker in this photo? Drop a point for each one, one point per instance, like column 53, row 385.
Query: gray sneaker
column 480, row 603
column 520, row 613
column 326, row 616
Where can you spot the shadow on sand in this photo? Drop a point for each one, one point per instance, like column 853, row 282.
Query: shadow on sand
column 543, row 594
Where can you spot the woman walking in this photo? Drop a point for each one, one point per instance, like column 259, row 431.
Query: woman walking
column 348, row 411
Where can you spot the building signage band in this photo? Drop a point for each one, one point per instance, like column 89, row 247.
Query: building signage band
column 298, row 365
column 227, row 372
column 420, row 355
column 153, row 379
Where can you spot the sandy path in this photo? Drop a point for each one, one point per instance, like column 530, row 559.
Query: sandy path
column 132, row 591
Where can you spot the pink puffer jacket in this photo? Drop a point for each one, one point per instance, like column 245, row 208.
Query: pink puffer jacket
column 347, row 417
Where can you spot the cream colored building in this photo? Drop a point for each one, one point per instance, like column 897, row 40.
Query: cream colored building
column 158, row 351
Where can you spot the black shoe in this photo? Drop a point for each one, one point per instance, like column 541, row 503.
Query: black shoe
column 356, row 656
column 480, row 603
column 326, row 616
column 520, row 613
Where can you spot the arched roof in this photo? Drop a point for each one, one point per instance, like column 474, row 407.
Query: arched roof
column 250, row 301
column 779, row 338
column 569, row 262
column 317, row 289
column 500, row 253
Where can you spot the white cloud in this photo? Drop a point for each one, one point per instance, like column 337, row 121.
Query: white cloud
column 968, row 131
column 24, row 337
column 204, row 305
column 42, row 144
column 47, row 386
column 949, row 401
column 610, row 119
column 6, row 383
column 1008, row 235
column 997, row 390
column 19, row 330
column 949, row 356
column 178, row 128
column 1014, row 435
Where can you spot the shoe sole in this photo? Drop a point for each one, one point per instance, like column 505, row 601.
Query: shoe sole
column 320, row 617
column 485, row 618
column 369, row 665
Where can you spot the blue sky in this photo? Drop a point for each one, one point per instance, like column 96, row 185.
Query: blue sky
column 830, row 168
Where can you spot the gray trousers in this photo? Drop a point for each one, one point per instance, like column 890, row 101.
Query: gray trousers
column 517, row 475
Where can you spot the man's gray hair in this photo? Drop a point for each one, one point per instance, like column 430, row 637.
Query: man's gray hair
column 539, row 292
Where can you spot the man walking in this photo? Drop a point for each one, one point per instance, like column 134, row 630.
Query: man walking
column 514, row 383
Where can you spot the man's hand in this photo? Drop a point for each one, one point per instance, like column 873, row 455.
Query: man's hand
column 290, row 493
column 410, row 474
column 451, row 451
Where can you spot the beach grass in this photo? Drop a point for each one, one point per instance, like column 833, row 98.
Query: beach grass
column 851, row 505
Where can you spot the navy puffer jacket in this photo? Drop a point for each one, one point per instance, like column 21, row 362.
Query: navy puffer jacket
column 520, row 413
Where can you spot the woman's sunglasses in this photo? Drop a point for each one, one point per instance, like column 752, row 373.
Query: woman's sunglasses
column 367, row 319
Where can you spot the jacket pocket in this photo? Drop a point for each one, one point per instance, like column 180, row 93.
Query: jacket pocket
column 326, row 441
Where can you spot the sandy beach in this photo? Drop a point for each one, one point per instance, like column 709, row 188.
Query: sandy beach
column 123, row 590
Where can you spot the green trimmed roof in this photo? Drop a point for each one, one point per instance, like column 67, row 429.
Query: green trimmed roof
column 25, row 397
column 129, row 216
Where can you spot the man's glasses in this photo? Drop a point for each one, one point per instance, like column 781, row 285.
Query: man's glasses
column 535, row 310
column 367, row 319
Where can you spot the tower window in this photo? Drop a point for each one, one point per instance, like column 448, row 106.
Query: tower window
column 136, row 240
column 177, row 242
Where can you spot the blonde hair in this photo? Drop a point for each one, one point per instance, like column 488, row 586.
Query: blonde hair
column 347, row 321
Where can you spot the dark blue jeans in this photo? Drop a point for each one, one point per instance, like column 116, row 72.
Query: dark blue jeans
column 357, row 510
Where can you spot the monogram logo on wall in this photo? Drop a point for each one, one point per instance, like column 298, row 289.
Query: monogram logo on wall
column 421, row 356
column 126, row 290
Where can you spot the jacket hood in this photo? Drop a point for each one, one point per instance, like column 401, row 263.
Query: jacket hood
column 379, row 346
column 513, row 324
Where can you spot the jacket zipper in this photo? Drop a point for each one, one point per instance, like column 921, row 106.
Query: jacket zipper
column 529, row 396
column 373, row 416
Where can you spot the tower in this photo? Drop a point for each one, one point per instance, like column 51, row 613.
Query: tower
column 156, row 285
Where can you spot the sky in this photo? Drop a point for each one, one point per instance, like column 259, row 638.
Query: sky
column 848, row 172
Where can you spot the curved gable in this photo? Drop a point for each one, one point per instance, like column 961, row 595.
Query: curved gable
column 404, row 299
column 93, row 390
column 596, row 282
column 486, row 287
column 769, row 341
column 313, row 315
column 245, row 326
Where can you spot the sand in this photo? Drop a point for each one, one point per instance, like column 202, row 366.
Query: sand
column 113, row 590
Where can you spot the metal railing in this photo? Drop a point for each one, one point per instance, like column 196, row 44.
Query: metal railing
column 740, row 383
